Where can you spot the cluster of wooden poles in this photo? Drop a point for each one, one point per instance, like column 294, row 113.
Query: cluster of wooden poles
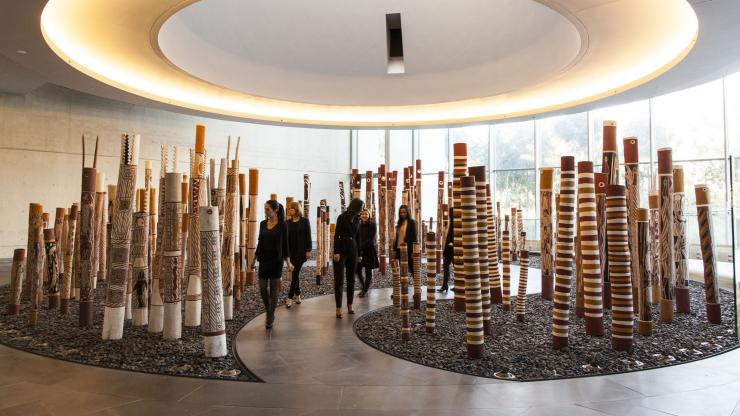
column 195, row 241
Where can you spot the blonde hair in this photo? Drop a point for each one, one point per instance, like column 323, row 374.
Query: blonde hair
column 296, row 206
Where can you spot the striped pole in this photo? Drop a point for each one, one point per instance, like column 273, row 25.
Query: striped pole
column 645, row 320
column 416, row 253
column 198, row 198
column 382, row 219
column 610, row 166
column 404, row 265
column 479, row 173
column 665, row 209
column 600, row 182
column 493, row 273
column 632, row 182
column 564, row 253
column 473, row 303
column 441, row 215
column 706, row 239
column 69, row 252
column 654, row 235
column 680, row 249
column 396, row 282
column 405, row 323
column 588, row 245
column 546, row 232
column 514, row 240
column 460, row 169
column 506, row 261
column 619, row 267
column 521, row 294
column 429, row 308
column 521, row 245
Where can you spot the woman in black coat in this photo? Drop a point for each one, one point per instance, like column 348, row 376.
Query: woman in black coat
column 405, row 234
column 345, row 253
column 272, row 251
column 368, row 260
column 299, row 244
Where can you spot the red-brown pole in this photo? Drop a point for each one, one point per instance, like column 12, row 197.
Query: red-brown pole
column 564, row 253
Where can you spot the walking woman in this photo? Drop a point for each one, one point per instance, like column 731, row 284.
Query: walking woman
column 345, row 254
column 299, row 244
column 272, row 250
column 405, row 234
column 447, row 254
column 368, row 260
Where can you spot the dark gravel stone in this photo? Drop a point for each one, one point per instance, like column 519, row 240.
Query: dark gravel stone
column 523, row 350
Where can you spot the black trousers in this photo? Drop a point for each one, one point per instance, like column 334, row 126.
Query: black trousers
column 269, row 290
column 344, row 267
column 295, row 280
column 446, row 262
column 367, row 279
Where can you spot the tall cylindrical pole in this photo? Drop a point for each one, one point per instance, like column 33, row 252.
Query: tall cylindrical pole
column 198, row 199
column 479, row 173
column 429, row 307
column 342, row 197
column 667, row 263
column 52, row 266
column 382, row 218
column 55, row 281
column 632, row 182
column 252, row 226
column 506, row 269
column 213, row 326
column 645, row 320
column 588, row 245
column 35, row 259
column 619, row 267
column 546, row 257
column 600, row 182
column 610, row 166
column 654, row 236
column 404, row 301
column 156, row 305
column 493, row 273
column 680, row 249
column 521, row 294
column 140, row 267
column 172, row 256
column 17, row 275
column 460, row 161
column 706, row 240
column 228, row 243
column 87, row 246
column 69, row 252
column 564, row 253
column 416, row 258
column 473, row 303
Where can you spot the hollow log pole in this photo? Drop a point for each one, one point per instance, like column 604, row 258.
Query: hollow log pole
column 382, row 219
column 140, row 267
column 564, row 253
column 460, row 163
column 51, row 280
column 69, row 253
column 473, row 302
column 99, row 228
column 706, row 240
column 610, row 166
column 645, row 319
column 228, row 242
column 252, row 225
column 156, row 304
column 172, row 256
column 87, row 247
column 654, row 235
column 198, row 199
column 619, row 268
column 506, row 268
column 213, row 326
column 546, row 257
column 632, row 183
column 416, row 274
column 680, row 248
column 429, row 306
column 55, row 282
column 521, row 294
column 17, row 275
column 667, row 259
column 35, row 260
column 493, row 271
column 479, row 173
column 588, row 245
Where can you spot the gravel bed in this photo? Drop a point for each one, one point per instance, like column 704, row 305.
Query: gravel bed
column 59, row 336
column 522, row 351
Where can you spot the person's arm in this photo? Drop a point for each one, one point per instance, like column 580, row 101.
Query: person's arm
column 411, row 230
column 337, row 232
column 373, row 233
column 259, row 247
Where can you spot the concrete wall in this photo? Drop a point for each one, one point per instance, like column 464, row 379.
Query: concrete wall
column 40, row 151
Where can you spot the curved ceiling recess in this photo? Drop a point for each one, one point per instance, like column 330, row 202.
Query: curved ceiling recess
column 325, row 62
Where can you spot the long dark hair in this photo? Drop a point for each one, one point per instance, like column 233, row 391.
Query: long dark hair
column 408, row 215
column 355, row 206
column 276, row 206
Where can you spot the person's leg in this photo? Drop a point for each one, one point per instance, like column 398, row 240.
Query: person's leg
column 274, row 294
column 264, row 293
column 297, row 277
column 350, row 264
column 339, row 281
column 368, row 279
column 446, row 275
column 358, row 272
column 293, row 281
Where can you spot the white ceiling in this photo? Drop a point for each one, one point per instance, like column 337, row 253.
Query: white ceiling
column 335, row 51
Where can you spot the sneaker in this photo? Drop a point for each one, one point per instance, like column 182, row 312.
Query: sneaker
column 288, row 303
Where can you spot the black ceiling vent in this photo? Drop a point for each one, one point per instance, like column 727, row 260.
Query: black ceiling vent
column 395, row 43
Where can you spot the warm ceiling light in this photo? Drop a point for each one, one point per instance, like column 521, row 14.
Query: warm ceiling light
column 114, row 41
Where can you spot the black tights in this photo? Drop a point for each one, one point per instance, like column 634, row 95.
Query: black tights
column 367, row 280
column 269, row 290
column 295, row 281
column 446, row 267
column 345, row 266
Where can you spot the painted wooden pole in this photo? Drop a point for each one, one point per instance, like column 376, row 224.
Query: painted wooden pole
column 121, row 238
column 667, row 260
column 382, row 219
column 17, row 276
column 253, row 225
column 521, row 294
column 609, row 166
column 460, row 163
column 706, row 240
column 590, row 260
column 100, row 228
column 416, row 253
column 242, row 251
column 493, row 271
column 147, row 208
column 140, row 268
column 473, row 301
column 221, row 198
column 546, row 257
column 75, row 291
column 213, row 326
column 404, row 265
column 396, row 283
column 391, row 211
column 198, row 199
column 645, row 319
column 54, row 286
column 369, row 203
column 172, row 256
column 87, row 246
column 564, row 253
column 404, row 283
column 342, row 197
column 35, row 259
column 601, row 183
column 506, row 261
column 417, row 200
column 632, row 182
column 319, row 243
column 479, row 173
column 499, row 230
column 156, row 306
column 654, row 233
column 152, row 249
column 514, row 240
column 306, row 194
column 52, row 268
column 228, row 243
column 619, row 267
column 429, row 307
column 355, row 184
column 680, row 248
column 69, row 252
column 521, row 236
column 579, row 311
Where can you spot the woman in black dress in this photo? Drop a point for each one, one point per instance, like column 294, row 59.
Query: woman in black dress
column 299, row 244
column 368, row 259
column 345, row 254
column 405, row 234
column 272, row 251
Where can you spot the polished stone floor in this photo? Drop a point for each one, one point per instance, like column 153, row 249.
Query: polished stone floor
column 314, row 365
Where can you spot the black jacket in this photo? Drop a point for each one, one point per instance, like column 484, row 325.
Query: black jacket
column 409, row 238
column 367, row 250
column 346, row 235
column 299, row 238
column 272, row 245
column 448, row 251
